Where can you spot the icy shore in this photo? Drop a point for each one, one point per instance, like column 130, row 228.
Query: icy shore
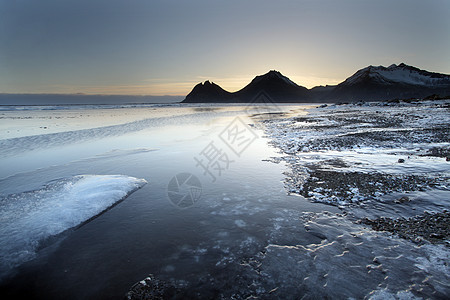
column 344, row 154
column 385, row 166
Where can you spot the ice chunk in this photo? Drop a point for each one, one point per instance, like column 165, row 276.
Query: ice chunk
column 29, row 218
column 240, row 223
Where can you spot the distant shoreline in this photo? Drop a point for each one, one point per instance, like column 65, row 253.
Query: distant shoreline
column 83, row 99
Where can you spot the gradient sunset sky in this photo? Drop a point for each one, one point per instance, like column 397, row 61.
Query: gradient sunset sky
column 166, row 47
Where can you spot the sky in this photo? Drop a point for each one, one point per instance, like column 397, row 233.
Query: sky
column 166, row 47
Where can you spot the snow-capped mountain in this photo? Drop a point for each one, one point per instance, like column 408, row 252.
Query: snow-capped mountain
column 401, row 73
column 369, row 84
column 393, row 82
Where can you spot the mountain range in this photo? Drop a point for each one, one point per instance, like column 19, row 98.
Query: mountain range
column 369, row 84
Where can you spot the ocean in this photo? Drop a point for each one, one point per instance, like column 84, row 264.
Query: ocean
column 94, row 199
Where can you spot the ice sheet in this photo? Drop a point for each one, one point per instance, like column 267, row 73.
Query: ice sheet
column 29, row 218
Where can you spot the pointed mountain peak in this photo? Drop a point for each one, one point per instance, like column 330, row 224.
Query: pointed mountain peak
column 401, row 66
column 273, row 75
column 207, row 91
column 206, row 84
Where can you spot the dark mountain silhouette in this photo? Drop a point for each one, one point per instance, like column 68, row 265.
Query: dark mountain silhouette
column 208, row 92
column 368, row 84
column 276, row 86
column 273, row 85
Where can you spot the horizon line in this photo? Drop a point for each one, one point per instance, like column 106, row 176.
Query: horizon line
column 211, row 79
column 87, row 94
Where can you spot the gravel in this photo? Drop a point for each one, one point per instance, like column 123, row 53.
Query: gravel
column 433, row 227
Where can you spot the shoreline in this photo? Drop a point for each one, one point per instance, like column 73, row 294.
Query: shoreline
column 327, row 164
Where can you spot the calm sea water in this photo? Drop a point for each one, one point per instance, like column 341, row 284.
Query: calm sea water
column 149, row 232
column 202, row 209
